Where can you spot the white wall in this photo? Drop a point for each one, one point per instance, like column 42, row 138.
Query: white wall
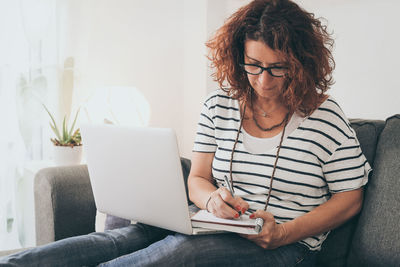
column 158, row 47
column 130, row 43
column 367, row 54
column 195, row 71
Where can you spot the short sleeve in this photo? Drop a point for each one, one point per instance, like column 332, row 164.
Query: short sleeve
column 205, row 135
column 347, row 169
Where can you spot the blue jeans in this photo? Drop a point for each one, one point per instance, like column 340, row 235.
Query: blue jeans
column 143, row 245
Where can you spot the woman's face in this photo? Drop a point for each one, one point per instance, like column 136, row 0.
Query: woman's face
column 264, row 84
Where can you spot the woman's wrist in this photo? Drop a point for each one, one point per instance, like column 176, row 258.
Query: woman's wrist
column 282, row 235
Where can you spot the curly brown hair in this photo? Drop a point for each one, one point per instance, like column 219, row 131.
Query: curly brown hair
column 297, row 35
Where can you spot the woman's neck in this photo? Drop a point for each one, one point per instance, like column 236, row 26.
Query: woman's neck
column 270, row 106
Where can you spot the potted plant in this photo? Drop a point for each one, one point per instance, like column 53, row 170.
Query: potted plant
column 67, row 143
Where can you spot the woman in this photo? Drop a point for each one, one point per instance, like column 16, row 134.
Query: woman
column 275, row 59
column 284, row 144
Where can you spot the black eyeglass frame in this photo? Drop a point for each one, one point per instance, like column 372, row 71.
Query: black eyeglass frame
column 268, row 69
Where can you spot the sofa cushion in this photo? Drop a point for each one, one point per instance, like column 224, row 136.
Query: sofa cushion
column 335, row 249
column 368, row 132
column 113, row 222
column 376, row 239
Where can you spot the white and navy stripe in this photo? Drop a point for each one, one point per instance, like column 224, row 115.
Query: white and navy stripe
column 322, row 156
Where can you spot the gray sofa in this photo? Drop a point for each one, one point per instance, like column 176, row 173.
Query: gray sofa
column 65, row 206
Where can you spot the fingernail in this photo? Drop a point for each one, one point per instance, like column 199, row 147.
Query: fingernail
column 251, row 216
column 237, row 215
column 238, row 208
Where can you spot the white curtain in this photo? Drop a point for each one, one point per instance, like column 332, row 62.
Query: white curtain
column 64, row 53
column 28, row 78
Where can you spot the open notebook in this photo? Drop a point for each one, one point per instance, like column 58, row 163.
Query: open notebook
column 205, row 219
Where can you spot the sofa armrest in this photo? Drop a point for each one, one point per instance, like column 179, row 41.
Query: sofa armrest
column 64, row 203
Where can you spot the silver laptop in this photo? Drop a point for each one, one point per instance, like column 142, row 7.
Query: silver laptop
column 136, row 174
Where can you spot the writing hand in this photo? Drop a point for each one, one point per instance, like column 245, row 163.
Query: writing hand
column 223, row 205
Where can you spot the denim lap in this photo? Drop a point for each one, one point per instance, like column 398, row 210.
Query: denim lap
column 143, row 245
column 88, row 250
column 212, row 250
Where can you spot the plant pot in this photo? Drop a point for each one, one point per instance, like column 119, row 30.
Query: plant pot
column 66, row 155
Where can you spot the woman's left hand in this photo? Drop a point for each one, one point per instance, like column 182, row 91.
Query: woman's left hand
column 272, row 235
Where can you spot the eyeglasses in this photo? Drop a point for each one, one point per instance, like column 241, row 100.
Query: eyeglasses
column 274, row 71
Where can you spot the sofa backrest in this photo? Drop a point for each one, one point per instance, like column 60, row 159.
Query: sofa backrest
column 376, row 241
column 335, row 248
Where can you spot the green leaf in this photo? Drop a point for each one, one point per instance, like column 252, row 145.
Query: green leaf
column 73, row 124
column 54, row 127
column 65, row 132
column 68, row 140
column 56, row 131
column 76, row 137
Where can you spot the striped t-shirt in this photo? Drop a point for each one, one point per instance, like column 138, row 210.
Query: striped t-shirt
column 320, row 157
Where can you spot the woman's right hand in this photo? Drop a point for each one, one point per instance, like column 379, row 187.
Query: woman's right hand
column 205, row 195
column 223, row 205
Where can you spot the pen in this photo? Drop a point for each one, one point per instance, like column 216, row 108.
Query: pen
column 228, row 184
